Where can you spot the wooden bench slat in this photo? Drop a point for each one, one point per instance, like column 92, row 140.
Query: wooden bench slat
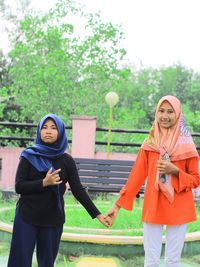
column 103, row 181
column 110, row 189
column 104, row 167
column 104, row 161
column 104, row 189
column 103, row 174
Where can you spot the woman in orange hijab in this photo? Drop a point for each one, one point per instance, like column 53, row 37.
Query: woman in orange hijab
column 168, row 161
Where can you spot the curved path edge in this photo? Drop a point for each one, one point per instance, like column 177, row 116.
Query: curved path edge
column 103, row 239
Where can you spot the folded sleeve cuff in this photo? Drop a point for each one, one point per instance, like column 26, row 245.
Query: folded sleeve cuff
column 125, row 201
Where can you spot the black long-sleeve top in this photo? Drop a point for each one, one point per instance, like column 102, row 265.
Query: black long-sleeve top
column 38, row 205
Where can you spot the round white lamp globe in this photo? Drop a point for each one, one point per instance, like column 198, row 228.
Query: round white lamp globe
column 112, row 98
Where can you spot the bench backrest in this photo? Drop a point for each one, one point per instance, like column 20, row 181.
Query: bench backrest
column 103, row 175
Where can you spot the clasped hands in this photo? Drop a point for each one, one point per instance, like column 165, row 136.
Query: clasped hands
column 108, row 219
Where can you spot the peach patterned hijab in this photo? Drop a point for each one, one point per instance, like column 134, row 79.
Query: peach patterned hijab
column 176, row 141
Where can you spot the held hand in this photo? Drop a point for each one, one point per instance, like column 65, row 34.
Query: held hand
column 52, row 178
column 103, row 220
column 112, row 214
column 165, row 166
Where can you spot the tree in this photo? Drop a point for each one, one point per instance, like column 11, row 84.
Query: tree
column 66, row 61
column 4, row 71
column 55, row 70
column 148, row 85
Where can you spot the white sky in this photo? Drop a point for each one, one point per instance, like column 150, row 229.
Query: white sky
column 158, row 32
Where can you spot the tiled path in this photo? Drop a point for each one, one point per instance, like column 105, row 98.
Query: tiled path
column 108, row 262
column 96, row 262
column 182, row 264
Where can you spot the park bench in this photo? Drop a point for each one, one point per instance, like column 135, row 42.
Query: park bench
column 9, row 193
column 97, row 175
column 106, row 176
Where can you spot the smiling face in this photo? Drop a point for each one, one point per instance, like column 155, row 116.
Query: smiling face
column 49, row 132
column 166, row 115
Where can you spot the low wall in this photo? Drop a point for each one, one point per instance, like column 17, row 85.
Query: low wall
column 9, row 160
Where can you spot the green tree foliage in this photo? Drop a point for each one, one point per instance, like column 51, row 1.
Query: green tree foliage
column 67, row 60
column 55, row 70
column 148, row 85
column 4, row 69
column 5, row 81
column 10, row 14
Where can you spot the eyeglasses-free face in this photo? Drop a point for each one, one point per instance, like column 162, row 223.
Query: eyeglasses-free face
column 49, row 132
column 166, row 115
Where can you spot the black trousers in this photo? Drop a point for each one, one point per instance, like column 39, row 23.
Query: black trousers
column 26, row 237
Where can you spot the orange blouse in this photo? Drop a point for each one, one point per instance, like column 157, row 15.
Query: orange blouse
column 156, row 208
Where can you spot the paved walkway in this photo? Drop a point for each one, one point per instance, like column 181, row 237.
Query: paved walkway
column 96, row 262
column 109, row 262
column 182, row 264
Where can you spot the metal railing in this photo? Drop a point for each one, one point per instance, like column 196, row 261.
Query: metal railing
column 28, row 126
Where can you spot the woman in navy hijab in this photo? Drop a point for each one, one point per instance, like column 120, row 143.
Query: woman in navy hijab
column 42, row 174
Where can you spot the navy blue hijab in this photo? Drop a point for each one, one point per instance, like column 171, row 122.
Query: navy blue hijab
column 40, row 155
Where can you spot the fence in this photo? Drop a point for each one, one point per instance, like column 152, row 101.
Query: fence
column 25, row 134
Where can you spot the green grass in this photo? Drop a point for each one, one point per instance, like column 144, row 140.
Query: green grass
column 76, row 216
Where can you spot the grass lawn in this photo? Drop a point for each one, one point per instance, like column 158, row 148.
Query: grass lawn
column 127, row 223
column 78, row 221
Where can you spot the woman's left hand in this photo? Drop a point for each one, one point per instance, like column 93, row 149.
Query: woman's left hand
column 165, row 166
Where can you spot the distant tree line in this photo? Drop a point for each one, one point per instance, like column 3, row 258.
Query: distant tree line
column 53, row 67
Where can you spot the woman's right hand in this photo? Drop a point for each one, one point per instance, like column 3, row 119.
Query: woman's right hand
column 112, row 214
column 52, row 178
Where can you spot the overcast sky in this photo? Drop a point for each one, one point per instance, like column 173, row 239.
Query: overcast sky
column 158, row 32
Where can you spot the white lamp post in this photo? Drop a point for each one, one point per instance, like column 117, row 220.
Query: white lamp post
column 111, row 99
